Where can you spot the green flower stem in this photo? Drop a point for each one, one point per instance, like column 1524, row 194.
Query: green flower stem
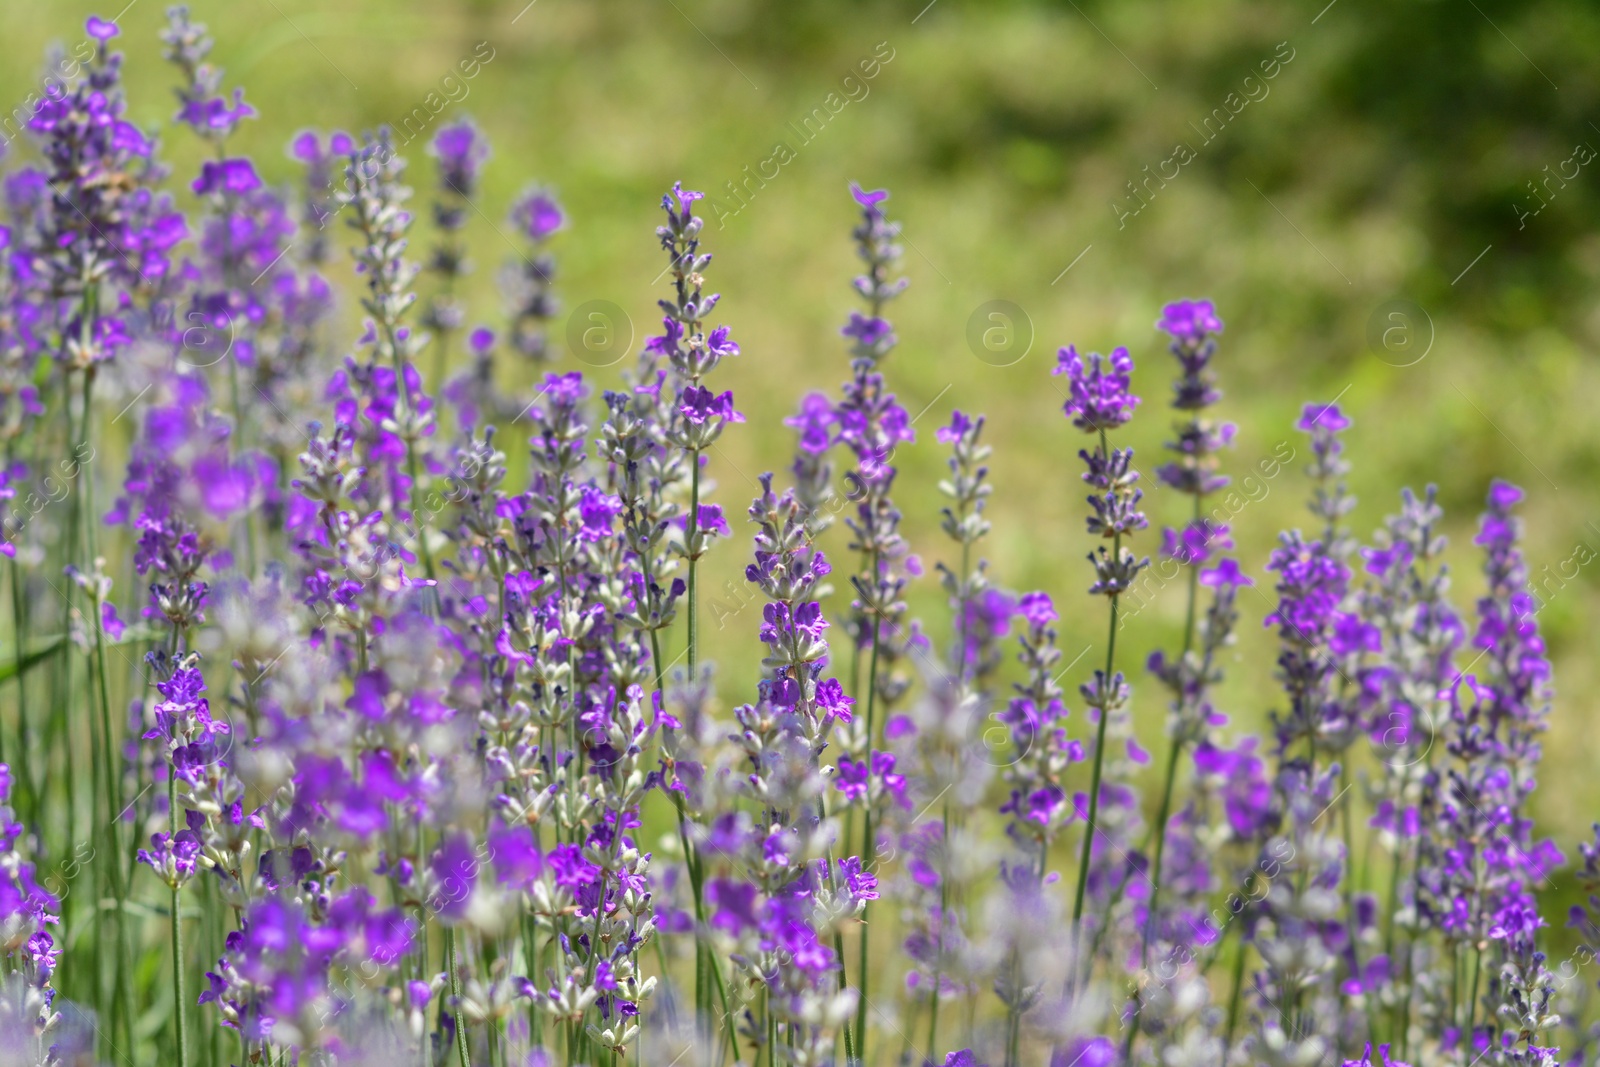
column 1172, row 771
column 28, row 800
column 180, row 998
column 708, row 975
column 1155, row 888
column 464, row 1056
column 844, row 982
column 1094, row 778
column 868, row 847
column 1233, row 998
column 655, row 661
column 691, row 526
column 103, row 754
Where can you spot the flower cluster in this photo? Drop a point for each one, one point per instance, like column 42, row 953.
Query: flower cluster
column 376, row 721
column 460, row 150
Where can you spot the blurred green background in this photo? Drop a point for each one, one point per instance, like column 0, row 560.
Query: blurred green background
column 1392, row 166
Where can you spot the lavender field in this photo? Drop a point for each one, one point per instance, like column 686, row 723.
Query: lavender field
column 724, row 535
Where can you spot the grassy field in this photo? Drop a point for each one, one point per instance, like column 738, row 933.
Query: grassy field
column 1389, row 164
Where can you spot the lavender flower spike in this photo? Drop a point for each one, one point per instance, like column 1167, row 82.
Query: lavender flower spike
column 1101, row 399
column 1192, row 326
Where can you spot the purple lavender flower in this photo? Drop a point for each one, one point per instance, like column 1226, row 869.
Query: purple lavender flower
column 436, row 699
column 1197, row 543
column 686, row 353
column 861, row 783
column 701, row 406
column 1101, row 390
column 528, row 282
column 205, row 109
column 538, row 215
column 962, row 1058
column 1330, row 501
column 461, row 150
column 1193, row 326
column 816, row 423
column 319, row 202
column 1312, row 584
column 1383, row 1059
column 872, row 424
column 982, row 613
column 1478, row 862
column 1100, row 400
column 104, row 224
column 1190, row 322
column 244, row 238
column 782, row 905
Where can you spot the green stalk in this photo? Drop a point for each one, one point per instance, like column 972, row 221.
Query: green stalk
column 100, row 918
column 725, row 1036
column 655, row 660
column 690, row 528
column 1233, row 998
column 180, row 999
column 121, row 987
column 868, row 847
column 455, row 991
column 1014, row 1018
column 28, row 799
column 772, row 1037
column 535, row 956
column 1395, row 872
column 62, row 731
column 61, row 739
column 1161, row 841
column 441, row 360
column 114, row 839
column 1094, row 778
column 81, row 529
column 1155, row 888
column 844, row 982
column 1349, row 887
column 1455, row 985
column 707, row 973
column 702, row 990
column 1172, row 770
column 1472, row 1004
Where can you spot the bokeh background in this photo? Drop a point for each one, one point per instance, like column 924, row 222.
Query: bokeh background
column 1402, row 219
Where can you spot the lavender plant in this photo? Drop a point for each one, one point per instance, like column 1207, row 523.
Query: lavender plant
column 360, row 733
column 460, row 150
column 1100, row 400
